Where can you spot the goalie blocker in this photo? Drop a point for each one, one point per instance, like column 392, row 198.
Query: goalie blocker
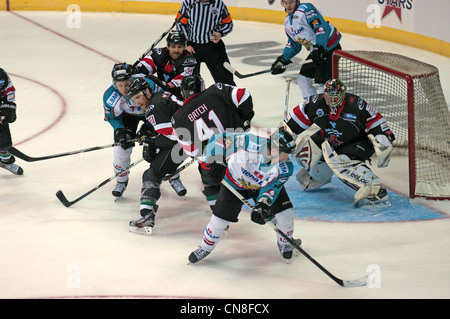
column 351, row 131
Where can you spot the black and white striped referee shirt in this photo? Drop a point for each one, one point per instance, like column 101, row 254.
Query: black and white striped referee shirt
column 203, row 20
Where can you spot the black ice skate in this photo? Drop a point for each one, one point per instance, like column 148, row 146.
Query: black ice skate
column 198, row 255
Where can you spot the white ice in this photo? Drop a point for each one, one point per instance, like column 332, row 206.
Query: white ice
column 48, row 250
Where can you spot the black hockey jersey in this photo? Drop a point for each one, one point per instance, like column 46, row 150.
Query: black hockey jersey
column 212, row 111
column 7, row 91
column 159, row 112
column 158, row 61
column 355, row 119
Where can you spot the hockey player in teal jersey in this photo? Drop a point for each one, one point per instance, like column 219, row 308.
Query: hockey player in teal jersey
column 257, row 167
column 305, row 26
column 124, row 116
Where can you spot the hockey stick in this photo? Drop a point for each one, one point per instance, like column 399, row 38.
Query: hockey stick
column 27, row 158
column 182, row 167
column 167, row 31
column 344, row 283
column 286, row 101
column 68, row 203
column 243, row 76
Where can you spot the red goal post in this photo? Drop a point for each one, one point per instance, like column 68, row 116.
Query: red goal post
column 409, row 95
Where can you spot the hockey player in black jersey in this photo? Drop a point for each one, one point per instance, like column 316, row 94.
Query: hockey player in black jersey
column 160, row 149
column 207, row 112
column 351, row 131
column 7, row 116
column 167, row 66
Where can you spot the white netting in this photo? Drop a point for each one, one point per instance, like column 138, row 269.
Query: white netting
column 383, row 80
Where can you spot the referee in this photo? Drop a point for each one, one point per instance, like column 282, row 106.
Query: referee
column 205, row 23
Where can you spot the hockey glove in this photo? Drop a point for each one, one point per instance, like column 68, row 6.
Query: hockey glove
column 277, row 66
column 123, row 135
column 8, row 113
column 318, row 55
column 145, row 132
column 261, row 213
column 383, row 149
column 149, row 150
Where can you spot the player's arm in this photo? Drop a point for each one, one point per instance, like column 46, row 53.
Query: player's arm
column 226, row 23
column 297, row 119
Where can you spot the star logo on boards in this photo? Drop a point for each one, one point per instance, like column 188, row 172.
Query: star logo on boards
column 395, row 6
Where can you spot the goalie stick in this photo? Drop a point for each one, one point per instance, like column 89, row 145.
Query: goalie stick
column 232, row 70
column 14, row 151
column 343, row 283
column 62, row 198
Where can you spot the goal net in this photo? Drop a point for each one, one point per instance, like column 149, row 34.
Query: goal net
column 409, row 95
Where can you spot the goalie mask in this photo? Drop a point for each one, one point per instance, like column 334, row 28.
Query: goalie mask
column 334, row 94
column 282, row 141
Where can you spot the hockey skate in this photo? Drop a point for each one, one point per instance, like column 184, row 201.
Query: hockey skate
column 10, row 166
column 145, row 224
column 119, row 189
column 178, row 186
column 378, row 201
column 198, row 255
column 286, row 252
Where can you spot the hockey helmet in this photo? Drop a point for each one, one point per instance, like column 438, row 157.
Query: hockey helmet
column 283, row 141
column 140, row 85
column 176, row 37
column 334, row 94
column 191, row 84
column 121, row 72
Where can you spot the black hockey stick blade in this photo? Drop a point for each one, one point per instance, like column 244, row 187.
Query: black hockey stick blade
column 343, row 283
column 62, row 198
column 68, row 203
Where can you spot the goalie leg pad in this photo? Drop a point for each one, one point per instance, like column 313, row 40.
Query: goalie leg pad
column 353, row 173
column 307, row 182
column 307, row 153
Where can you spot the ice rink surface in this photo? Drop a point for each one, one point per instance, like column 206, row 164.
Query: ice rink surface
column 86, row 251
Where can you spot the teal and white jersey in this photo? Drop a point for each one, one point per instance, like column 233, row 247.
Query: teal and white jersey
column 307, row 27
column 245, row 157
column 115, row 105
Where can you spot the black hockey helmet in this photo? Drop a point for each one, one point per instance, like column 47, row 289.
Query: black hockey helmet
column 176, row 37
column 191, row 84
column 121, row 72
column 283, row 141
column 139, row 85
